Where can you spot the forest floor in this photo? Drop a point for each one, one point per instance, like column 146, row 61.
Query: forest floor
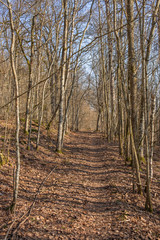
column 84, row 193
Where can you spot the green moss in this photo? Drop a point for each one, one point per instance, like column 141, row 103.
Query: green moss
column 142, row 159
column 28, row 148
column 22, row 119
column 3, row 160
column 34, row 130
column 148, row 208
column 2, row 138
column 35, row 122
column 128, row 159
column 59, row 151
column 26, row 132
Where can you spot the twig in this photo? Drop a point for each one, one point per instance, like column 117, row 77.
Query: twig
column 27, row 214
column 9, row 229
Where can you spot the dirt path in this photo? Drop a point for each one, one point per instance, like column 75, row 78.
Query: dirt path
column 88, row 196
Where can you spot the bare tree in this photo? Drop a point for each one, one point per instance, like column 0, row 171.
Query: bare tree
column 12, row 58
column 63, row 71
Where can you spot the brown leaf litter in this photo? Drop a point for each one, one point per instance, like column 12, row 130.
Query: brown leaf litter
column 88, row 194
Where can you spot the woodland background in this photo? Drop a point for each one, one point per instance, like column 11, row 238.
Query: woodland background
column 82, row 65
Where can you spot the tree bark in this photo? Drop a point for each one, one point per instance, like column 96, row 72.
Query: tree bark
column 62, row 88
column 12, row 58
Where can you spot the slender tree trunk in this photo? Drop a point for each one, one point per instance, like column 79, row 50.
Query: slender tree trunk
column 30, row 65
column 119, row 79
column 98, row 119
column 136, row 162
column 141, row 121
column 148, row 204
column 110, row 72
column 104, row 82
column 12, row 58
column 42, row 108
column 62, row 89
column 55, row 80
column 67, row 72
column 53, row 116
column 41, row 115
column 152, row 133
column 131, row 64
column 159, row 31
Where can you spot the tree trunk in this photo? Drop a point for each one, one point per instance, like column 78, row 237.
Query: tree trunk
column 30, row 65
column 148, row 204
column 132, row 81
column 110, row 73
column 63, row 72
column 12, row 57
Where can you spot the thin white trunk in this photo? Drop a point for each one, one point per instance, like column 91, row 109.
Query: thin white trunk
column 30, row 65
column 12, row 58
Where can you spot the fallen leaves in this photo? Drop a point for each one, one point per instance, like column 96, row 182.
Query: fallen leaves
column 88, row 195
